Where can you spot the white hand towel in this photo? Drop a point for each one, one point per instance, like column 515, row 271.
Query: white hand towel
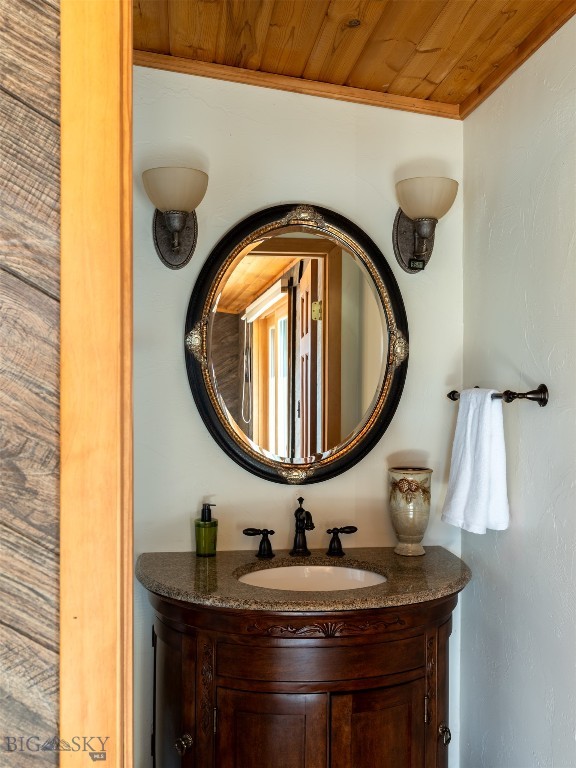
column 477, row 497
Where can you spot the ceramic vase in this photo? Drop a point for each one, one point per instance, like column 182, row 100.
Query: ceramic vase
column 409, row 507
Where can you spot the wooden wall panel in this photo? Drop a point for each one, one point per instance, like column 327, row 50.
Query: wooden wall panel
column 29, row 407
column 29, row 311
column 29, row 41
column 29, row 194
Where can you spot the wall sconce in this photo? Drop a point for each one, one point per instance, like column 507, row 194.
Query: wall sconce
column 423, row 200
column 175, row 193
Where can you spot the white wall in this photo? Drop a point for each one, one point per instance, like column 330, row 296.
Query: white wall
column 260, row 148
column 519, row 613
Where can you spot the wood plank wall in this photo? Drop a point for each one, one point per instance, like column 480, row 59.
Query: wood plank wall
column 29, row 358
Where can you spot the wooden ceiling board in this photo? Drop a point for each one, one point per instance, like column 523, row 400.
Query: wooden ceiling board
column 251, row 277
column 347, row 27
column 243, row 31
column 150, row 25
column 294, row 27
column 297, row 247
column 436, row 57
column 502, row 36
column 479, row 16
column 551, row 24
column 451, row 35
column 194, row 28
column 401, row 27
column 262, row 265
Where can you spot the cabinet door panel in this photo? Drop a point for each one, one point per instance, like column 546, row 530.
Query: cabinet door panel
column 173, row 705
column 441, row 752
column 168, row 696
column 383, row 727
column 271, row 729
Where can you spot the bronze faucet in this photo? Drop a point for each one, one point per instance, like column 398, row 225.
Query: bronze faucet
column 303, row 523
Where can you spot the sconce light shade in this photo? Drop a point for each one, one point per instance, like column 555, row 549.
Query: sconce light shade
column 426, row 197
column 423, row 200
column 175, row 193
column 175, row 189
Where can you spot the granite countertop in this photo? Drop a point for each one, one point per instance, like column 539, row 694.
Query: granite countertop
column 213, row 581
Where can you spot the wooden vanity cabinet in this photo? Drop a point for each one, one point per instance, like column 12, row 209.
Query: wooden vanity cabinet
column 261, row 689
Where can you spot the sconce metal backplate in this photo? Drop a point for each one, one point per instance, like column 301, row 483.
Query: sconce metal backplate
column 163, row 241
column 403, row 240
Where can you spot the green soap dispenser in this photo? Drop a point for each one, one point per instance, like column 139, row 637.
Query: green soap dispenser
column 206, row 532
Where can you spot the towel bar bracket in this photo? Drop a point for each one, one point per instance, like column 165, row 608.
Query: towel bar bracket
column 538, row 395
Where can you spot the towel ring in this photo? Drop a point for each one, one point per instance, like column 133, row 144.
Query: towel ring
column 538, row 395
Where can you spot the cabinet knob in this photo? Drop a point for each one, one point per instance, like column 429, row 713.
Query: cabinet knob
column 444, row 732
column 183, row 744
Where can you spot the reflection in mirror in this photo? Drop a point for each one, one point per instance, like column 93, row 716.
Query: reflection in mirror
column 297, row 345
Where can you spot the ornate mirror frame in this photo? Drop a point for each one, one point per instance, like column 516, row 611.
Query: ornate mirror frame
column 262, row 225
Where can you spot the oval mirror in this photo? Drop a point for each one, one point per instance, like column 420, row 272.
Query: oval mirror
column 296, row 343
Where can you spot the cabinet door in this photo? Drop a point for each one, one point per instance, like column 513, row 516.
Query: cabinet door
column 172, row 739
column 382, row 727
column 276, row 730
column 441, row 719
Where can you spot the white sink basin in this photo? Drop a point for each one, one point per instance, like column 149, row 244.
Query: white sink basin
column 312, row 578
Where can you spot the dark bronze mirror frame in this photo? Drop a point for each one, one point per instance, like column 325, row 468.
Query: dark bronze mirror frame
column 262, row 225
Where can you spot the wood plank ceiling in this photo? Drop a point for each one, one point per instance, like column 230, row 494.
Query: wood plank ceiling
column 439, row 57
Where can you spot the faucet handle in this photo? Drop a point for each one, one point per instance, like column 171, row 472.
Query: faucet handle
column 335, row 546
column 265, row 548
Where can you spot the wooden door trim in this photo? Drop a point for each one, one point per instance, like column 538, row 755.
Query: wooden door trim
column 332, row 395
column 96, row 574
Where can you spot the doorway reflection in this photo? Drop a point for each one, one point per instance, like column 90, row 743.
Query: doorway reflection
column 297, row 345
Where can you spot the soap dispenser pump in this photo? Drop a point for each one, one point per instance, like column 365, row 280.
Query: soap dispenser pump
column 206, row 532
